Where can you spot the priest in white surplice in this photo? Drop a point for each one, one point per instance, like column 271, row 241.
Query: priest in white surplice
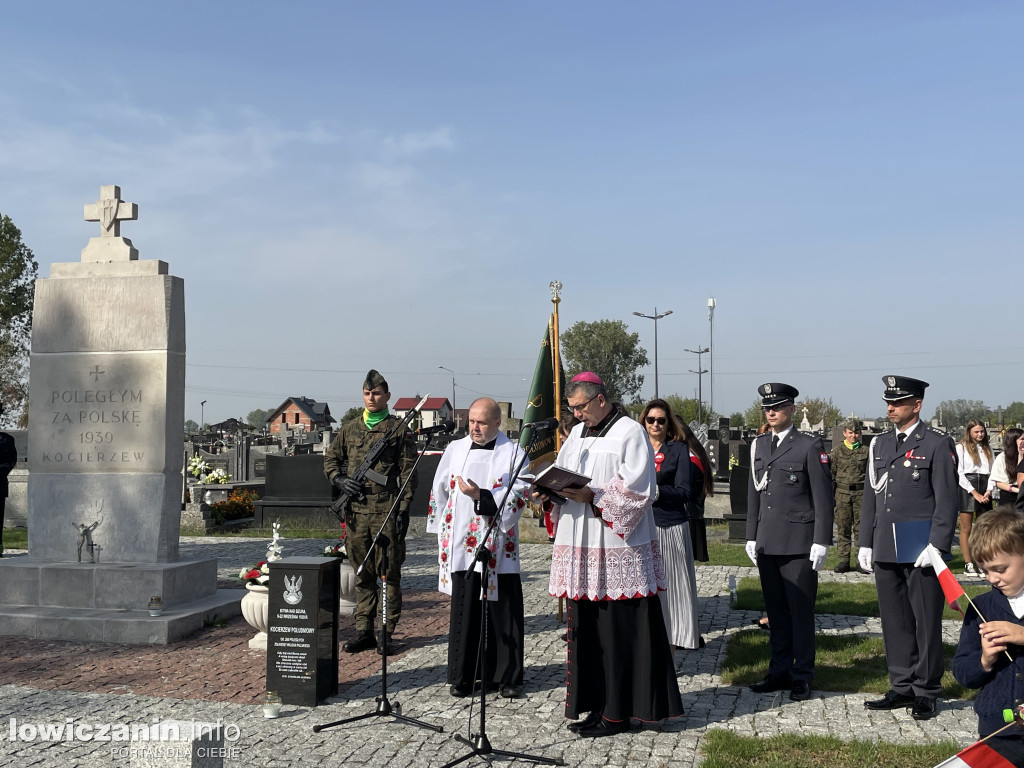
column 607, row 562
column 470, row 483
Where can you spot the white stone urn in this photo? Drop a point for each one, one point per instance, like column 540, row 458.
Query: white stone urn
column 256, row 611
column 347, row 590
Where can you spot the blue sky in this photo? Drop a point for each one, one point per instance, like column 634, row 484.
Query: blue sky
column 347, row 185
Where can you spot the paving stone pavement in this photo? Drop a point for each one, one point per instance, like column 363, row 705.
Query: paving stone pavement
column 214, row 677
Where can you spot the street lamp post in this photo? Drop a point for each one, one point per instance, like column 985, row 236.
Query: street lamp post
column 454, row 417
column 700, row 382
column 202, row 415
column 711, row 350
column 655, row 317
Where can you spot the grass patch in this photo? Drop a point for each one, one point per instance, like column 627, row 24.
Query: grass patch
column 843, row 598
column 722, row 553
column 15, row 538
column 725, row 749
column 843, row 663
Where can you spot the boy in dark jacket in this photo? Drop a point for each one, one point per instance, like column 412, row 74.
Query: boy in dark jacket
column 990, row 655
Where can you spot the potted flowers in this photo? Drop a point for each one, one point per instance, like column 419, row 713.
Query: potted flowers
column 255, row 608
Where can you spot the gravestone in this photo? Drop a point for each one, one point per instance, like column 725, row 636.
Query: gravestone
column 106, row 405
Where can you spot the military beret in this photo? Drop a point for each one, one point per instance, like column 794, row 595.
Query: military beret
column 374, row 380
column 854, row 425
column 776, row 394
column 902, row 387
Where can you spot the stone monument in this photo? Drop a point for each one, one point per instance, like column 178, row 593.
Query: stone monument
column 107, row 404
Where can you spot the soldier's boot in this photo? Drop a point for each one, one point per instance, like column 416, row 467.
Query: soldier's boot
column 364, row 640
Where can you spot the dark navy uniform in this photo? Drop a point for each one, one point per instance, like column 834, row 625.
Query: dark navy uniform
column 915, row 480
column 792, row 511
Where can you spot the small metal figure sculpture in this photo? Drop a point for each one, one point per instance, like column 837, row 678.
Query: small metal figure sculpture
column 85, row 538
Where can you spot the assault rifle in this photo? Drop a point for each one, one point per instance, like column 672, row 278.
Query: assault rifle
column 365, row 470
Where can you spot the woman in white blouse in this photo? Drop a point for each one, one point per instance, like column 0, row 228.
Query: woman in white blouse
column 1004, row 468
column 974, row 465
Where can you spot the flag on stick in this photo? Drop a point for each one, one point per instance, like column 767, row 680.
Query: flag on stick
column 994, row 753
column 950, row 586
column 541, row 404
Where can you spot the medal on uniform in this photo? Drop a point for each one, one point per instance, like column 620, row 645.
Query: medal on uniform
column 915, row 474
column 906, row 463
column 792, row 478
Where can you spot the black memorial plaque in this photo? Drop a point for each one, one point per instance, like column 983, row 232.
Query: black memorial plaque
column 302, row 629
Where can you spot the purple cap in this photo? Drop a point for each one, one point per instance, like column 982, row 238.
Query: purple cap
column 589, row 376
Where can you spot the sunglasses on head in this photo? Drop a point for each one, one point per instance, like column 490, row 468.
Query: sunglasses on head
column 656, row 420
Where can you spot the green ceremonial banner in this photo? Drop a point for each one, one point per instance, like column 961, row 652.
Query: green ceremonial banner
column 541, row 405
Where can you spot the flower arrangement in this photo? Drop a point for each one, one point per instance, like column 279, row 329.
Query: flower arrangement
column 338, row 550
column 236, row 506
column 259, row 574
column 199, row 469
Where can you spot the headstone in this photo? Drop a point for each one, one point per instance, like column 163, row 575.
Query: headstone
column 302, row 629
column 107, row 401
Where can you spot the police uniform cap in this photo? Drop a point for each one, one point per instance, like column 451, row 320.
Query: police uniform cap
column 374, row 380
column 902, row 387
column 854, row 425
column 774, row 393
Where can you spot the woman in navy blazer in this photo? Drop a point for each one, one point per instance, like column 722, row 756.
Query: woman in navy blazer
column 680, row 462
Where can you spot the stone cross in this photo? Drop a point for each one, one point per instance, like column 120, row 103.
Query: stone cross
column 110, row 210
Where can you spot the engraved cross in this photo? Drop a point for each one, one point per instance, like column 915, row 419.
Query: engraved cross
column 96, row 373
column 110, row 211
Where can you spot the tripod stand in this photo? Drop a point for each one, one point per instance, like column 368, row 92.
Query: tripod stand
column 479, row 744
column 384, row 707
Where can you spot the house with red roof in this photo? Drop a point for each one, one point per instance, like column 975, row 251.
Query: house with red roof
column 433, row 412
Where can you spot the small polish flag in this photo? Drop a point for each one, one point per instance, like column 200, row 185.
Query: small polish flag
column 998, row 753
column 950, row 586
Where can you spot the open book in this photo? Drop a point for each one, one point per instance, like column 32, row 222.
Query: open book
column 555, row 479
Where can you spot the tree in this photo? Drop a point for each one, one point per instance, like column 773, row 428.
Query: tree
column 1013, row 414
column 818, row 409
column 686, row 409
column 191, row 427
column 737, row 419
column 609, row 350
column 18, row 272
column 753, row 417
column 354, row 412
column 258, row 418
column 953, row 415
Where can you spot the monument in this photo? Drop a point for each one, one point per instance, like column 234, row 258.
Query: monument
column 107, row 405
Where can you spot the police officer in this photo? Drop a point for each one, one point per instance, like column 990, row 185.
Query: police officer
column 911, row 475
column 372, row 499
column 849, row 462
column 789, row 529
column 8, row 458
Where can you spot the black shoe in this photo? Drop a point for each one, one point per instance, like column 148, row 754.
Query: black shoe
column 603, row 728
column 843, row 567
column 801, row 691
column 891, row 700
column 772, row 683
column 364, row 641
column 511, row 691
column 392, row 648
column 924, row 708
column 460, row 691
column 586, row 722
column 862, row 570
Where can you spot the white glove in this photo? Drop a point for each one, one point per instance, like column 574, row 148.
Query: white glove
column 864, row 558
column 924, row 560
column 817, row 556
column 752, row 551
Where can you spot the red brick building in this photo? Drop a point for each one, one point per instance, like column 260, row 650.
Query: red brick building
column 300, row 413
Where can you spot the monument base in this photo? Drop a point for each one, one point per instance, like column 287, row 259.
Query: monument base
column 118, row 626
column 108, row 602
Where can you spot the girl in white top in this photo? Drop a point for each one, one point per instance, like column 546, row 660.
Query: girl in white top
column 974, row 465
column 1004, row 468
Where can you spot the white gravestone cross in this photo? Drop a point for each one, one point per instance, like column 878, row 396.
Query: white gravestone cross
column 110, row 211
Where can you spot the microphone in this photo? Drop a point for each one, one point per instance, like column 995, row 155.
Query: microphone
column 551, row 423
column 444, row 426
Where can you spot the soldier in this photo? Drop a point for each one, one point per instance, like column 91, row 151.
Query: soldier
column 789, row 529
column 373, row 498
column 911, row 476
column 8, row 458
column 849, row 462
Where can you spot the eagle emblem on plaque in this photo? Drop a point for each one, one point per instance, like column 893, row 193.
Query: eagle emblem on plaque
column 292, row 593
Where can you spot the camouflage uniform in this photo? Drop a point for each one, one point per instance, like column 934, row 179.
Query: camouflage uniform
column 848, row 470
column 345, row 453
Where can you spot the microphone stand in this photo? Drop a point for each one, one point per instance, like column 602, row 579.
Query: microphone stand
column 384, row 707
column 479, row 743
